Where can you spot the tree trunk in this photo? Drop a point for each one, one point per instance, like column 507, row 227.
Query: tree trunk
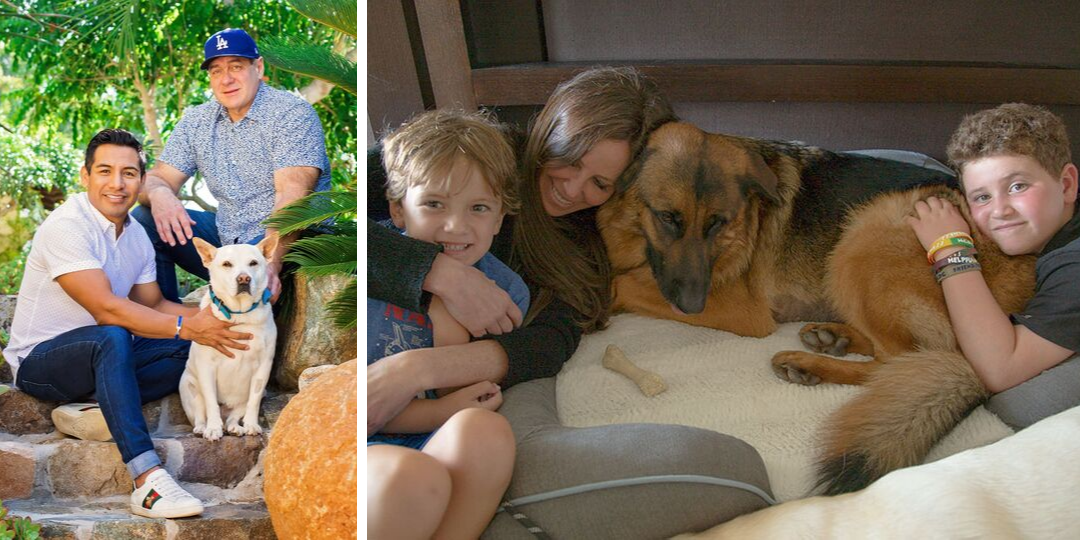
column 146, row 98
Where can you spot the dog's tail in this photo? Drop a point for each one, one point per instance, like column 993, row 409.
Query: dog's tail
column 908, row 404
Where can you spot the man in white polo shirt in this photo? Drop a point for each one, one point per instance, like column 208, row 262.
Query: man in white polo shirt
column 90, row 322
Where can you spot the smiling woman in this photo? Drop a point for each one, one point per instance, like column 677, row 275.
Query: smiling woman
column 565, row 189
column 585, row 137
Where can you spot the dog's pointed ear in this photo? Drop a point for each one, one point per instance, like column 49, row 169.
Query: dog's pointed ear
column 206, row 250
column 269, row 244
column 760, row 178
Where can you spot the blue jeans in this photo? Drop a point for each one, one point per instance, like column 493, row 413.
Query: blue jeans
column 120, row 370
column 184, row 255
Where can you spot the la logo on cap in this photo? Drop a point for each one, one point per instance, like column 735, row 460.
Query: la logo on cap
column 221, row 43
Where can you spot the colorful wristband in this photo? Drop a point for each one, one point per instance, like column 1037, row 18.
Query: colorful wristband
column 948, row 240
column 950, row 270
column 179, row 324
column 964, row 256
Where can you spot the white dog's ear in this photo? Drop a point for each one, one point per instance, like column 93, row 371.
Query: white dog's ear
column 206, row 250
column 269, row 244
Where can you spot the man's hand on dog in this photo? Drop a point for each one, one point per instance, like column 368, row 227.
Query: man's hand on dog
column 206, row 329
column 171, row 218
column 273, row 281
column 476, row 301
column 934, row 218
column 484, row 395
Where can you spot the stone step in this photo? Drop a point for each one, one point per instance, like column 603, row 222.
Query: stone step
column 39, row 462
column 110, row 519
column 21, row 414
column 64, row 468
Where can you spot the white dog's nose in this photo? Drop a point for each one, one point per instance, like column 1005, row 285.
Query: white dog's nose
column 243, row 284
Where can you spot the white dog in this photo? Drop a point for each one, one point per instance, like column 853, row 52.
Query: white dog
column 1024, row 486
column 211, row 380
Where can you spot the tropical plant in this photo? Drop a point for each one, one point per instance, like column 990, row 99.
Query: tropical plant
column 301, row 55
column 332, row 251
column 132, row 64
column 331, row 214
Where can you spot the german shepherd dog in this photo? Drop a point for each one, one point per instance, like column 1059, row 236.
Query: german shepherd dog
column 741, row 234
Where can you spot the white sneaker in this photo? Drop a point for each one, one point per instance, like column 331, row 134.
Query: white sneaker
column 81, row 420
column 161, row 497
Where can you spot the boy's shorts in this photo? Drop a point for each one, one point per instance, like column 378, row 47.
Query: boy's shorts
column 415, row 441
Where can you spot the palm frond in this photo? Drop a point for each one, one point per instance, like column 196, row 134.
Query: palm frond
column 337, row 14
column 106, row 19
column 342, row 227
column 311, row 210
column 306, row 58
column 342, row 308
column 323, row 255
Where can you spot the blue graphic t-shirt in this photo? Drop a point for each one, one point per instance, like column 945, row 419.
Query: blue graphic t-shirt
column 392, row 329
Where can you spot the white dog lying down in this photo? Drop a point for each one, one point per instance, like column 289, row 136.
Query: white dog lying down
column 211, row 380
column 1024, row 486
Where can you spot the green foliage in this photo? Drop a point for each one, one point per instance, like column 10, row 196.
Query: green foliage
column 187, row 282
column 324, row 255
column 84, row 66
column 332, row 250
column 315, row 209
column 11, row 272
column 306, row 58
column 337, row 14
column 34, row 162
column 16, row 528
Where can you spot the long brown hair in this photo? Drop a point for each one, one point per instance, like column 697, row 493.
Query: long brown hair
column 564, row 257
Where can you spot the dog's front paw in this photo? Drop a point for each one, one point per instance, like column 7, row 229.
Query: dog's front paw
column 786, row 365
column 212, row 432
column 252, row 428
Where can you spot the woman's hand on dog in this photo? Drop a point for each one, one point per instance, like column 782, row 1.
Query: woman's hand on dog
column 934, row 218
column 206, row 329
column 484, row 394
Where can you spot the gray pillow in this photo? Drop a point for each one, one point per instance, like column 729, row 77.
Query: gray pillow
column 1043, row 395
column 621, row 481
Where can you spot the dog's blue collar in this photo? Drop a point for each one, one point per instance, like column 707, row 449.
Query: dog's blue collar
column 229, row 313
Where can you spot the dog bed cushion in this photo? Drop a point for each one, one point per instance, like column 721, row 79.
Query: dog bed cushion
column 723, row 382
column 620, row 481
column 1052, row 391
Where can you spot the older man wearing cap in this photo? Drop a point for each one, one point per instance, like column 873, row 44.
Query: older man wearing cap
column 258, row 148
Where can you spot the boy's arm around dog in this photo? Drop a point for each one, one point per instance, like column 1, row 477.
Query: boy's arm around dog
column 1002, row 354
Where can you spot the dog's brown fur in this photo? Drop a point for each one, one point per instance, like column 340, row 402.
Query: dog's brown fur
column 793, row 248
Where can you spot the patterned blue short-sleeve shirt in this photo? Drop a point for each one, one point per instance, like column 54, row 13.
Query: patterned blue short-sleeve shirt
column 238, row 159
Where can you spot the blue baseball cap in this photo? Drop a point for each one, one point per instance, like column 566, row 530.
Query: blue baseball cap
column 229, row 42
